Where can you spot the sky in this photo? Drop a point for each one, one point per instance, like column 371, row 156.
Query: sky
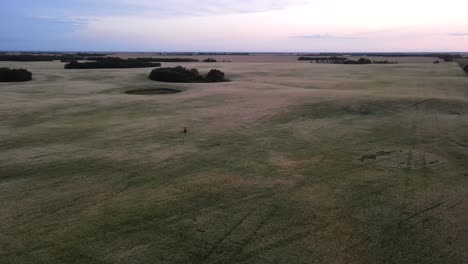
column 235, row 25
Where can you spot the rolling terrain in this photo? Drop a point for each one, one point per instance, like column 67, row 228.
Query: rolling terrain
column 287, row 163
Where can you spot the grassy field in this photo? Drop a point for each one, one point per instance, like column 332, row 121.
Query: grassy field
column 288, row 163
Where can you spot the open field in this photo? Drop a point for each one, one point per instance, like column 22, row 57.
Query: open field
column 288, row 163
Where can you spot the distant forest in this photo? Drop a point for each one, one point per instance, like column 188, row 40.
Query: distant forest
column 444, row 56
column 82, row 56
column 111, row 64
column 342, row 60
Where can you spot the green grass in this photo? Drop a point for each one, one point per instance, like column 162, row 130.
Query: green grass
column 270, row 171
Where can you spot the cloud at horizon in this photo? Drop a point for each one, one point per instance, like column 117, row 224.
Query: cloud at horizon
column 227, row 25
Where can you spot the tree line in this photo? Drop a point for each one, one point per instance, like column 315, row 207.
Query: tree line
column 118, row 59
column 28, row 57
column 111, row 64
column 54, row 56
column 443, row 56
column 175, row 74
column 342, row 60
column 82, row 56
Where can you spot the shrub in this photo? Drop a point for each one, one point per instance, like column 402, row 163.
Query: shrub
column 15, row 75
column 184, row 75
column 466, row 69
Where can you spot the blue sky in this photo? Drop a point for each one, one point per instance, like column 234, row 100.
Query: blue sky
column 231, row 25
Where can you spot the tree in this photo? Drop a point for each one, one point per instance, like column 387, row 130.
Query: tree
column 215, row 75
column 15, row 75
column 184, row 75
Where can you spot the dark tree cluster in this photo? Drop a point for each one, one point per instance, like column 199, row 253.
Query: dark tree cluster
column 73, row 58
column 466, row 69
column 206, row 53
column 166, row 59
column 117, row 59
column 91, row 57
column 215, row 75
column 28, row 57
column 49, row 57
column 111, row 64
column 332, row 59
column 86, row 54
column 82, row 56
column 384, row 62
column 340, row 60
column 15, row 75
column 221, row 53
column 184, row 75
column 444, row 56
column 360, row 61
column 209, row 60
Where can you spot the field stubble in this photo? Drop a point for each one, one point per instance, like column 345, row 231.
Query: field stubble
column 295, row 162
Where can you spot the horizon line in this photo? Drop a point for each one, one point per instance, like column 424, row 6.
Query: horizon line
column 234, row 52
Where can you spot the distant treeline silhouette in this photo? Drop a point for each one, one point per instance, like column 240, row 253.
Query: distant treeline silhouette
column 167, row 59
column 53, row 56
column 29, row 57
column 111, row 64
column 443, row 56
column 384, row 62
column 322, row 59
column 184, row 75
column 15, row 75
column 83, row 56
column 342, row 60
column 209, row 54
column 360, row 61
column 114, row 59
